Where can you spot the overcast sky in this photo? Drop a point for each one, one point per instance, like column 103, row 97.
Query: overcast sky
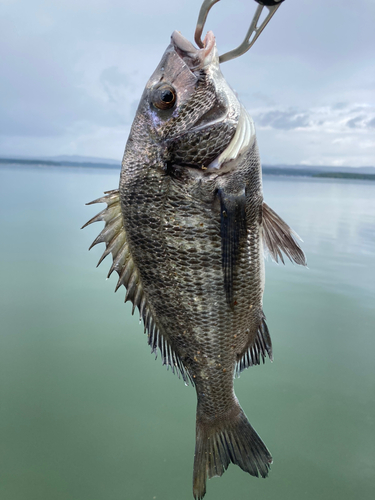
column 73, row 72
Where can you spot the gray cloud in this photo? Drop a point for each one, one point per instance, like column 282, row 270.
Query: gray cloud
column 340, row 105
column 285, row 120
column 114, row 83
column 360, row 109
column 114, row 76
column 262, row 98
column 355, row 122
column 371, row 123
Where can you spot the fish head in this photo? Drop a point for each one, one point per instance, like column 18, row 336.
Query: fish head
column 187, row 106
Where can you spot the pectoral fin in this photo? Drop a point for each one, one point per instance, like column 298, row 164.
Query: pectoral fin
column 233, row 231
column 278, row 237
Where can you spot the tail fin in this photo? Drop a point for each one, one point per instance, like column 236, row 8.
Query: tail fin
column 225, row 440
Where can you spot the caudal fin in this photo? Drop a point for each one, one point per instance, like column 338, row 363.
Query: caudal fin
column 222, row 441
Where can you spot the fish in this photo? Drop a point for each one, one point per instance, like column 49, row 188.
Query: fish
column 187, row 229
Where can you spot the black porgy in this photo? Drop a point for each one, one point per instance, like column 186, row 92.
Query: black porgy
column 187, row 230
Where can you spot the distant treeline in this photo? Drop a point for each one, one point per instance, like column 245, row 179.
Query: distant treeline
column 50, row 163
column 346, row 175
column 13, row 161
column 288, row 171
column 313, row 173
column 267, row 170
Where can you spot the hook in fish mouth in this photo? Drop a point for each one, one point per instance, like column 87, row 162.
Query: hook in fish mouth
column 196, row 59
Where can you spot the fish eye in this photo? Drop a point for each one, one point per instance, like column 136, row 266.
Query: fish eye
column 163, row 96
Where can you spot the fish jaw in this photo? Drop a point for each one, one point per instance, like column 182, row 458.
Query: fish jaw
column 196, row 59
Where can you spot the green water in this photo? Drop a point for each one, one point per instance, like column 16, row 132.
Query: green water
column 86, row 413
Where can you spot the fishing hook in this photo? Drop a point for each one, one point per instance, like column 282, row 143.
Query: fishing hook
column 271, row 5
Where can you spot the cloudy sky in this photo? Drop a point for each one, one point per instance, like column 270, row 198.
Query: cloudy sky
column 73, row 72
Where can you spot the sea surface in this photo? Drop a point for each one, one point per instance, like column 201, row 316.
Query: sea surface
column 86, row 413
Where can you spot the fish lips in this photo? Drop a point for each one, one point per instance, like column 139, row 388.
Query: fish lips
column 196, row 59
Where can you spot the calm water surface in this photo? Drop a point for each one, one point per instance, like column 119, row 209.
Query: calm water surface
column 86, row 413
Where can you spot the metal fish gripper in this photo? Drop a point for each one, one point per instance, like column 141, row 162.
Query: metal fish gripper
column 253, row 32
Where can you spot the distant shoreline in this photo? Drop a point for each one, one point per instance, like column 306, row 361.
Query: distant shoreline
column 285, row 171
column 50, row 163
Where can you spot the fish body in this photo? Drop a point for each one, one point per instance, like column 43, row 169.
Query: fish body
column 187, row 230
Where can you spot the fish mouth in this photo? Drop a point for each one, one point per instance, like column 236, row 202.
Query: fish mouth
column 195, row 59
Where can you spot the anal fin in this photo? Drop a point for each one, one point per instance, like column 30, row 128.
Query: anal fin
column 278, row 237
column 256, row 352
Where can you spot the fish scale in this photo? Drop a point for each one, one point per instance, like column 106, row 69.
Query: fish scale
column 186, row 230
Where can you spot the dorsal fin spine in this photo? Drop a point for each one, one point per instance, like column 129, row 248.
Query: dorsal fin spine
column 110, row 198
column 110, row 230
column 142, row 306
column 131, row 286
column 120, row 259
column 125, row 275
column 99, row 217
column 137, row 297
column 112, row 247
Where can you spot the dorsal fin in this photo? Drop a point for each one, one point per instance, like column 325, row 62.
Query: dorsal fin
column 114, row 236
column 279, row 237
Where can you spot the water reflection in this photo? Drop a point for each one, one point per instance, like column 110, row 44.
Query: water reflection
column 86, row 412
column 336, row 220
